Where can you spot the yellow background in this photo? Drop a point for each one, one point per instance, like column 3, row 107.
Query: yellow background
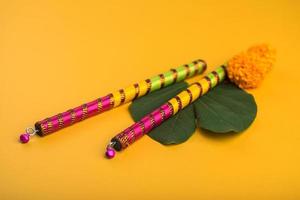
column 55, row 55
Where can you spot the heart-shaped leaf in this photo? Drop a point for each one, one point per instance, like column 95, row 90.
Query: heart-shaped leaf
column 175, row 130
column 226, row 108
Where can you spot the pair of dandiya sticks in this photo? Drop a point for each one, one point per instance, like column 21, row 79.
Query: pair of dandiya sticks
column 246, row 70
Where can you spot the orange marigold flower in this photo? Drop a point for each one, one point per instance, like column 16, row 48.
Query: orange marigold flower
column 248, row 69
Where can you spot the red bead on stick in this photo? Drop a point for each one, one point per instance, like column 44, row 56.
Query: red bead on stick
column 24, row 138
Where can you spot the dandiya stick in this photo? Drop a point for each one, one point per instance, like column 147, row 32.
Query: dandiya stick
column 246, row 70
column 112, row 100
column 128, row 136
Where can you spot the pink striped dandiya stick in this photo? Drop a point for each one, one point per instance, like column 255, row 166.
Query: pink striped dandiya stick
column 52, row 124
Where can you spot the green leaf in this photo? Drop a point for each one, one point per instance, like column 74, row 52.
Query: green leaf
column 175, row 130
column 226, row 108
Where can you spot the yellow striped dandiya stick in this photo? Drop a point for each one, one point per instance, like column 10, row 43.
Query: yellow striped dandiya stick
column 246, row 70
column 52, row 124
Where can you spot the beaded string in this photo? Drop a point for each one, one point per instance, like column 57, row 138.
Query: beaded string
column 164, row 112
column 122, row 96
